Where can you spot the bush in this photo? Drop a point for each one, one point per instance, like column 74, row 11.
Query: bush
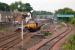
column 70, row 45
column 72, row 21
column 46, row 33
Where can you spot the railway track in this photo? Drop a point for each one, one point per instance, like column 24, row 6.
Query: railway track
column 46, row 41
column 61, row 37
column 4, row 38
column 16, row 39
column 51, row 44
column 3, row 34
column 13, row 42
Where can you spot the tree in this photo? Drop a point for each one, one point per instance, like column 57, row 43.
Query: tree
column 42, row 13
column 15, row 5
column 4, row 7
column 21, row 6
column 25, row 7
column 65, row 11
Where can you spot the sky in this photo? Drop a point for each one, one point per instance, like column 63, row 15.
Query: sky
column 46, row 5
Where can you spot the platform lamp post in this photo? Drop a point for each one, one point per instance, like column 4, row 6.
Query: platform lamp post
column 22, row 33
column 21, row 30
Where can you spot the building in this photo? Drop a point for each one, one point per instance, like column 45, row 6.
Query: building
column 6, row 16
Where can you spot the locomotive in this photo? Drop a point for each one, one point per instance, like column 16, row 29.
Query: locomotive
column 31, row 25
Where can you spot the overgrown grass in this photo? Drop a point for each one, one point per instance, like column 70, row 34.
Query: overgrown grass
column 46, row 33
column 72, row 21
column 70, row 44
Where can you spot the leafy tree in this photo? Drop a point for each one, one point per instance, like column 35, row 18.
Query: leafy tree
column 21, row 6
column 65, row 11
column 4, row 7
column 15, row 5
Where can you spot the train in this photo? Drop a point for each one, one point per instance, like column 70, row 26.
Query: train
column 31, row 25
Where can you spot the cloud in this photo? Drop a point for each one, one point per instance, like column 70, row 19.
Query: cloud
column 51, row 5
column 8, row 1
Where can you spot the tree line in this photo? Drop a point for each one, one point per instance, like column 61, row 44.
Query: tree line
column 27, row 7
column 17, row 5
column 66, row 11
column 23, row 7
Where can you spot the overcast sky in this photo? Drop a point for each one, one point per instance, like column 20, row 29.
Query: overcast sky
column 46, row 5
